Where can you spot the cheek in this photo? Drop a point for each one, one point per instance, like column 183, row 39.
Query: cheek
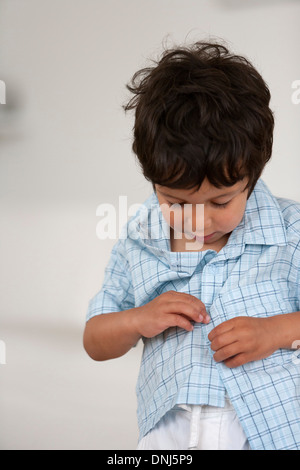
column 177, row 220
column 233, row 217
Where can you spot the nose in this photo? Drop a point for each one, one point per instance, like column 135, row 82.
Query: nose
column 194, row 219
column 207, row 221
column 198, row 221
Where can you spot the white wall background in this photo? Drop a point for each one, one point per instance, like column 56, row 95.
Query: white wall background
column 65, row 148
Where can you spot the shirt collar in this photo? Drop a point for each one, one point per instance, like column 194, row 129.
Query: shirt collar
column 151, row 226
column 262, row 224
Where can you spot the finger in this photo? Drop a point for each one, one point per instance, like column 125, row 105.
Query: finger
column 189, row 298
column 206, row 319
column 221, row 329
column 180, row 321
column 199, row 304
column 227, row 352
column 188, row 309
column 222, row 340
column 236, row 361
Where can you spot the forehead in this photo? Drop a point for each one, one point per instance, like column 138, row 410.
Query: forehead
column 206, row 191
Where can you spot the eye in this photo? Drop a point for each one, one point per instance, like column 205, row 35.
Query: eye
column 178, row 203
column 220, row 205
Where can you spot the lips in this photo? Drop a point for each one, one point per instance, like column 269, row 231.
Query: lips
column 209, row 236
column 205, row 238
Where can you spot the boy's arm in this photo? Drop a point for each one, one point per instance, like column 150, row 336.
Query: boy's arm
column 110, row 335
column 108, row 331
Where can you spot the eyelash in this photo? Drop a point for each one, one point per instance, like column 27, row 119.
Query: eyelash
column 171, row 203
column 221, row 206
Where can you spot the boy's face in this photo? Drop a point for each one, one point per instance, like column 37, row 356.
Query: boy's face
column 223, row 211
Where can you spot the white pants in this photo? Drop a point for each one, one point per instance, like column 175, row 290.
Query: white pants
column 197, row 427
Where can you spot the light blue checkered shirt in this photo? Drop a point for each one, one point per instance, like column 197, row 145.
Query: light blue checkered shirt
column 256, row 274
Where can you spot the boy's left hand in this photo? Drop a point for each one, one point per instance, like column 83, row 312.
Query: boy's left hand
column 244, row 339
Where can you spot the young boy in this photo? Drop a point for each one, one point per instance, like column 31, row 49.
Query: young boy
column 215, row 301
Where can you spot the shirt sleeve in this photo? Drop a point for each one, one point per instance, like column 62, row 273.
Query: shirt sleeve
column 116, row 293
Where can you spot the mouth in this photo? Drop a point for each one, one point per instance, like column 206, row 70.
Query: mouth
column 205, row 238
column 208, row 237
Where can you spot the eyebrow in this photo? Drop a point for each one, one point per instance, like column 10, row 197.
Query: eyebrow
column 215, row 197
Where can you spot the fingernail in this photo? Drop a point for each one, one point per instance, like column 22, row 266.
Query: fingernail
column 200, row 317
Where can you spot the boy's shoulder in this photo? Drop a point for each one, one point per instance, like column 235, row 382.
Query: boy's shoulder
column 290, row 210
column 147, row 216
column 144, row 211
column 287, row 209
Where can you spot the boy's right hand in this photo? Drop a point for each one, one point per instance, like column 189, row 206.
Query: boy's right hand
column 168, row 310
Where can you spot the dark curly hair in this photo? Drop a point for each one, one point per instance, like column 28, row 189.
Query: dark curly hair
column 201, row 111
